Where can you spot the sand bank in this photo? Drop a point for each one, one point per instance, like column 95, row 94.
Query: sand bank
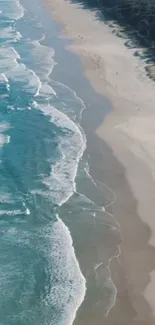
column 129, row 131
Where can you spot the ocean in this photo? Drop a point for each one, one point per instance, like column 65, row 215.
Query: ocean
column 48, row 214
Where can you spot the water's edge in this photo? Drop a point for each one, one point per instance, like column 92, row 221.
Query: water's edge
column 47, row 194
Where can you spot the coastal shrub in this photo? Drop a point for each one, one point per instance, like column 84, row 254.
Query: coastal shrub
column 136, row 14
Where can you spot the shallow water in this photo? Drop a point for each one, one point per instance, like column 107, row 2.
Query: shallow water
column 46, row 194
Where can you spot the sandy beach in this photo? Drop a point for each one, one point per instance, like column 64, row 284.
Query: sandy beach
column 129, row 132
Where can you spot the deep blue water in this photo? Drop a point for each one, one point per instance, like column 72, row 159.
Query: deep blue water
column 41, row 145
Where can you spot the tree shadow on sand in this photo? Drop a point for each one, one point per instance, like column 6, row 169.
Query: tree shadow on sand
column 131, row 20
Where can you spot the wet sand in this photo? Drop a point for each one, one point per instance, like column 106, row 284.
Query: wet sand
column 126, row 164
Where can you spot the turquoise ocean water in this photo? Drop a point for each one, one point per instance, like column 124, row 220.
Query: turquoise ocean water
column 41, row 145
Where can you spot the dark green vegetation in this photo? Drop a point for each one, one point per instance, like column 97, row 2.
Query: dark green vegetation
column 137, row 17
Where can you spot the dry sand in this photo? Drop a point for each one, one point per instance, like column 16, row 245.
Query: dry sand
column 129, row 130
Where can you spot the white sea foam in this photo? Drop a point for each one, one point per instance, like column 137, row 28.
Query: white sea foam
column 30, row 81
column 61, row 185
column 72, row 144
column 43, row 58
column 11, row 213
column 11, row 107
column 6, row 198
column 12, row 9
column 47, row 91
column 9, row 52
column 4, row 138
column 72, row 99
column 4, row 80
column 8, row 60
column 9, row 35
column 34, row 104
column 61, row 182
column 43, row 63
column 27, row 211
column 65, row 269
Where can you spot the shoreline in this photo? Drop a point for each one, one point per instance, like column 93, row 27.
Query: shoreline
column 122, row 130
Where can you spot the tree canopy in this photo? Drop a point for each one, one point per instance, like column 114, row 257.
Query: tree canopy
column 139, row 15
